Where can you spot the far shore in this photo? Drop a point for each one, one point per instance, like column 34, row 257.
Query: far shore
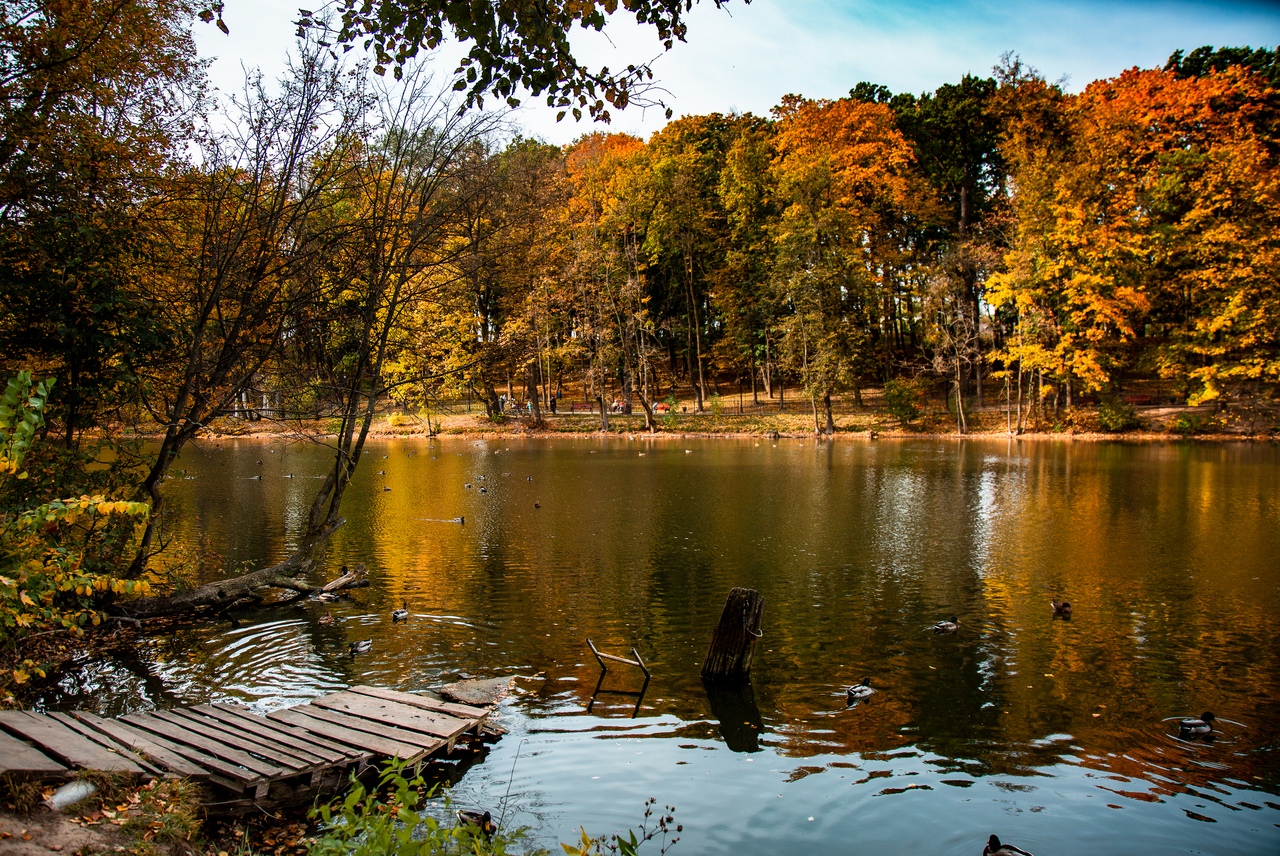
column 1154, row 424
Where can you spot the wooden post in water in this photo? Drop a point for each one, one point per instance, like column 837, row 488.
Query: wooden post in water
column 734, row 639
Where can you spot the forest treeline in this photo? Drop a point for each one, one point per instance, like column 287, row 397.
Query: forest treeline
column 333, row 237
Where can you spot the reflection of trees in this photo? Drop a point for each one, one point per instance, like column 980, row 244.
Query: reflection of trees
column 857, row 548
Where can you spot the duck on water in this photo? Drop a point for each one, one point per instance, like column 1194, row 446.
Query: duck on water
column 861, row 691
column 950, row 626
column 996, row 848
column 1197, row 728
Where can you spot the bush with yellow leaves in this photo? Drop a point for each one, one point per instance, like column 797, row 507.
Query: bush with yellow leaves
column 57, row 558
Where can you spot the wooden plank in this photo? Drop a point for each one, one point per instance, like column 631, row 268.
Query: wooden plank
column 17, row 757
column 462, row 711
column 157, row 751
column 64, row 744
column 179, row 734
column 106, row 742
column 369, row 726
column 370, row 743
column 286, row 735
column 216, row 730
column 396, row 714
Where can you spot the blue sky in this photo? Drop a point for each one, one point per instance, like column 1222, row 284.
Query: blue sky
column 748, row 57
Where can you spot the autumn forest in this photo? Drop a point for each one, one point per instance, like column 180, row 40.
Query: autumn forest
column 336, row 235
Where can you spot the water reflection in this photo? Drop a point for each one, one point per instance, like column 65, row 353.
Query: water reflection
column 1165, row 551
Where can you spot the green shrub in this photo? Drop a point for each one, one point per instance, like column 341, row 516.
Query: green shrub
column 717, row 406
column 58, row 558
column 393, row 819
column 904, row 398
column 368, row 824
column 1186, row 424
column 1115, row 415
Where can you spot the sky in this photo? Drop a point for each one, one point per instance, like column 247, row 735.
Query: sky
column 744, row 58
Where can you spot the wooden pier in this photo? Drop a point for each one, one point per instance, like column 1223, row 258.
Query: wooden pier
column 289, row 754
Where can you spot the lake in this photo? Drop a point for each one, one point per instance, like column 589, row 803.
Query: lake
column 1060, row 736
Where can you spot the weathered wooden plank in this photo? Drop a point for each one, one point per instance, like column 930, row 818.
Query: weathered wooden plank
column 285, row 735
column 158, row 751
column 324, row 727
column 396, row 714
column 180, row 734
column 106, row 742
column 64, row 744
column 403, row 735
column 20, row 758
column 462, row 711
column 215, row 730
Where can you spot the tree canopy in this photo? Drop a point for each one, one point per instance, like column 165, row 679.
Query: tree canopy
column 514, row 46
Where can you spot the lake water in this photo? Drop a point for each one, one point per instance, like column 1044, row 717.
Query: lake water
column 1060, row 736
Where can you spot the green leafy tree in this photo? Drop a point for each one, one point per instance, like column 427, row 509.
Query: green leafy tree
column 1206, row 60
column 514, row 46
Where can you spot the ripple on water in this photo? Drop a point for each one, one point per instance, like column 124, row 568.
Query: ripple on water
column 270, row 664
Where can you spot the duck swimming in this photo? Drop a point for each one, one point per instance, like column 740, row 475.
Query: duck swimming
column 361, row 647
column 861, row 691
column 482, row 821
column 1061, row 610
column 995, row 848
column 402, row 613
column 950, row 626
column 1201, row 727
column 325, row 620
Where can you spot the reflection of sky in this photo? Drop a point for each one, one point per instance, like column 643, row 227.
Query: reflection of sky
column 745, row 59
column 579, row 770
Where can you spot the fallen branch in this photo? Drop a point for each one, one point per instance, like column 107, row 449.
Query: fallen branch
column 289, row 575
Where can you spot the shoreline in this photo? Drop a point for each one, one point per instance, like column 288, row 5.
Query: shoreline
column 632, row 428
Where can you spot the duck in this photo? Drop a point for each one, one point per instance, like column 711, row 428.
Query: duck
column 1197, row 727
column 950, row 626
column 995, row 848
column 361, row 647
column 537, row 504
column 1061, row 610
column 481, row 821
column 402, row 613
column 861, row 691
column 326, row 597
column 325, row 620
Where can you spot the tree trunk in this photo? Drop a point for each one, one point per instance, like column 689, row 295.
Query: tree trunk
column 531, row 392
column 734, row 640
column 831, row 422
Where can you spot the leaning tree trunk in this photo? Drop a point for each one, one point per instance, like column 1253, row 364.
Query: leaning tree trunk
column 211, row 597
